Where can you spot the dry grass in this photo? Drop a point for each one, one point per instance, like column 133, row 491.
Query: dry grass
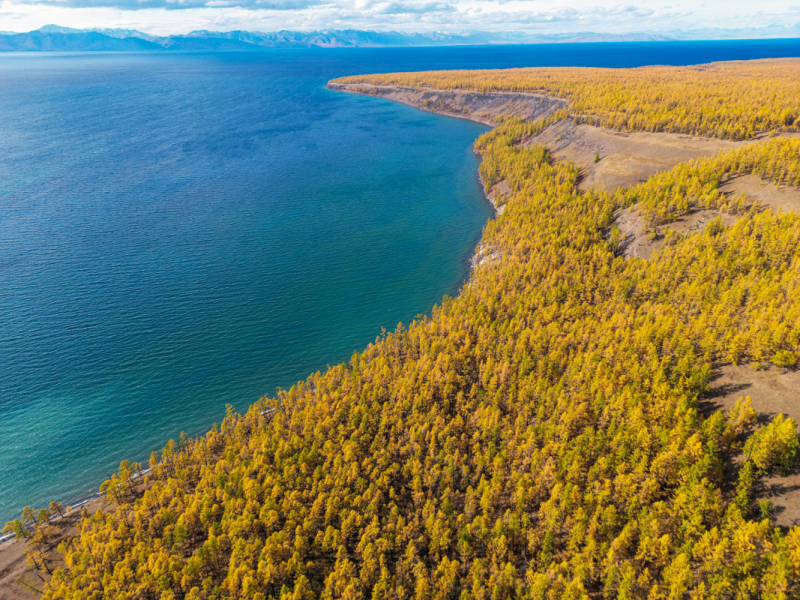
column 767, row 194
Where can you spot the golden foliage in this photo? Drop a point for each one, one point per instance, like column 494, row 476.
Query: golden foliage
column 536, row 437
column 733, row 100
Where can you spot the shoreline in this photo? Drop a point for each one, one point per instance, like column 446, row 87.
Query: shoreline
column 97, row 497
column 436, row 374
column 493, row 103
column 87, row 501
column 486, row 108
column 9, row 543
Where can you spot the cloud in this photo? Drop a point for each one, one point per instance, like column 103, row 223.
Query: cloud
column 278, row 5
column 592, row 17
column 396, row 7
column 451, row 16
column 345, row 7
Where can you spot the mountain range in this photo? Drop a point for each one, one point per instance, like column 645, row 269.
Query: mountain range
column 54, row 38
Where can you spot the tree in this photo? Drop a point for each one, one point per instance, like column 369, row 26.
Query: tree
column 29, row 516
column 56, row 508
column 774, row 445
column 17, row 527
column 43, row 516
column 37, row 560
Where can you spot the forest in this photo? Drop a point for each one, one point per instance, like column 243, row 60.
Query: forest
column 543, row 435
column 730, row 100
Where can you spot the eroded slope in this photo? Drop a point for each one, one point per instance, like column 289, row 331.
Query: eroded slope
column 488, row 108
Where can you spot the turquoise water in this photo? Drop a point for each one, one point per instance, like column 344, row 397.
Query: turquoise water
column 178, row 232
column 182, row 233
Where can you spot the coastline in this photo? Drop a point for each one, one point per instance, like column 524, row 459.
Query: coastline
column 93, row 501
column 498, row 338
column 12, row 557
column 481, row 101
column 17, row 579
column 486, row 108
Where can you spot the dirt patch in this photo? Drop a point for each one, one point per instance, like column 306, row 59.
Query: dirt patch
column 784, row 493
column 623, row 159
column 18, row 581
column 773, row 391
column 640, row 242
column 488, row 108
column 767, row 194
column 499, row 195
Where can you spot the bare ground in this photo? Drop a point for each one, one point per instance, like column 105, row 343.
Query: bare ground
column 625, row 159
column 499, row 195
column 608, row 159
column 773, row 391
column 20, row 582
column 641, row 243
column 487, row 108
column 767, row 194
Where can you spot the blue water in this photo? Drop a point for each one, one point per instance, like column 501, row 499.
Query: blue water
column 182, row 231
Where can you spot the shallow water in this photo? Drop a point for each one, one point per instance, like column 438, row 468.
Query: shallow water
column 182, row 231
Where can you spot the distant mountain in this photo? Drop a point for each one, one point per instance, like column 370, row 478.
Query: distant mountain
column 54, row 38
column 114, row 33
column 768, row 32
column 352, row 38
column 72, row 42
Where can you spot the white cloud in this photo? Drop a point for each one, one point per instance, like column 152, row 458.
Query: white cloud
column 533, row 16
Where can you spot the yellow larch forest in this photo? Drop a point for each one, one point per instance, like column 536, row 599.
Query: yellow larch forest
column 731, row 100
column 540, row 435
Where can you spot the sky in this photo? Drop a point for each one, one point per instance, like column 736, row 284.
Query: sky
column 162, row 17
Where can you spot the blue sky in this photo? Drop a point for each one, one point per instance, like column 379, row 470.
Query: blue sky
column 532, row 16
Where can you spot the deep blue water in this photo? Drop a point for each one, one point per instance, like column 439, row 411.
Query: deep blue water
column 182, row 231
